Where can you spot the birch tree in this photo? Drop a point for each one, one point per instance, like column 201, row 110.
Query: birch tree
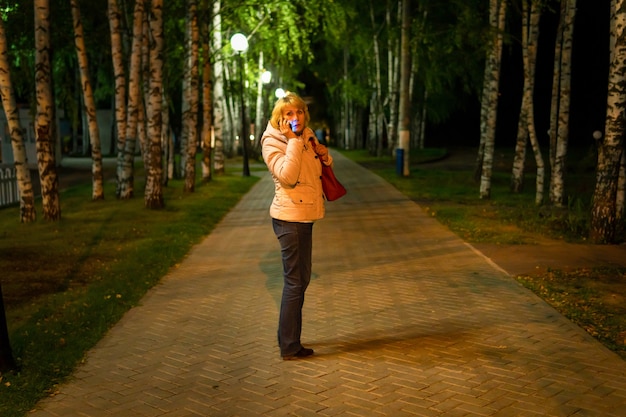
column 153, row 196
column 207, row 101
column 167, row 141
column 142, row 122
column 260, row 118
column 126, row 186
column 90, row 105
column 117, row 53
column 489, row 103
column 376, row 107
column 44, row 132
column 559, row 128
column 27, row 199
column 604, row 213
column 526, row 128
column 190, row 115
column 219, row 107
column 393, row 73
column 404, row 126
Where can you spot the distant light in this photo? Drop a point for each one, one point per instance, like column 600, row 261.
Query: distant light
column 266, row 77
column 280, row 93
column 239, row 42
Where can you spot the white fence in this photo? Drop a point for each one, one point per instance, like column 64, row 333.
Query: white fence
column 9, row 193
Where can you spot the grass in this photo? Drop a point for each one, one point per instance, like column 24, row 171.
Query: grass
column 66, row 283
column 452, row 195
column 593, row 298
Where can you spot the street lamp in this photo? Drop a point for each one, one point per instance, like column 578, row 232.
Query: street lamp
column 266, row 77
column 239, row 43
column 279, row 93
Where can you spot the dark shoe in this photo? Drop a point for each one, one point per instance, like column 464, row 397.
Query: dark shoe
column 302, row 353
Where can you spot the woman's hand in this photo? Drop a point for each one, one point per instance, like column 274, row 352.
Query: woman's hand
column 322, row 152
column 285, row 128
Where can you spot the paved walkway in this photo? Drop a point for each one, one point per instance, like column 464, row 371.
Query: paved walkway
column 405, row 320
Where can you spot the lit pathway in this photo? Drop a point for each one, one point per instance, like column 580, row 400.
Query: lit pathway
column 405, row 320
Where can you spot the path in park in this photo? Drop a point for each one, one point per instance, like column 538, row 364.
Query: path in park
column 405, row 318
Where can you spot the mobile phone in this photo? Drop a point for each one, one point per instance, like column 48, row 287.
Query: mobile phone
column 294, row 124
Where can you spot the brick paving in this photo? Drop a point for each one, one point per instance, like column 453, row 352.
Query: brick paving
column 405, row 318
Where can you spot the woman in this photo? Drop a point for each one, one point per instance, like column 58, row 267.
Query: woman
column 293, row 154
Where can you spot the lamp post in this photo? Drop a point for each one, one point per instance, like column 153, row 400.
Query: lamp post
column 239, row 43
column 265, row 78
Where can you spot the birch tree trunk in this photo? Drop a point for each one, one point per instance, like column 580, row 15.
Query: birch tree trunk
column 207, row 102
column 126, row 186
column 184, row 107
column 422, row 121
column 259, row 116
column 345, row 117
column 604, row 215
column 519, row 159
column 190, row 118
column 489, row 106
column 142, row 116
column 153, row 197
column 489, row 101
column 27, row 199
column 526, row 129
column 393, row 77
column 167, row 139
column 376, row 111
column 557, row 179
column 404, row 126
column 97, row 192
column 117, row 53
column 44, row 132
column 556, row 87
column 218, row 92
column 142, row 129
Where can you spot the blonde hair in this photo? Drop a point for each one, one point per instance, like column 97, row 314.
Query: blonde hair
column 289, row 99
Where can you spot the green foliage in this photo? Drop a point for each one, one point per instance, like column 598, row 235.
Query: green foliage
column 296, row 37
column 448, row 46
column 70, row 281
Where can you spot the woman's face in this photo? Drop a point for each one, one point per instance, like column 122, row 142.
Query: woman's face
column 295, row 117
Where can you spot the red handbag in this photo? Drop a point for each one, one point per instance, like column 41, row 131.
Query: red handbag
column 333, row 189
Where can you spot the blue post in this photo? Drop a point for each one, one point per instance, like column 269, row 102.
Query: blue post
column 399, row 161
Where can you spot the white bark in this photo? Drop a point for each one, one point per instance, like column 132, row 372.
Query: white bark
column 218, row 92
column 489, row 109
column 44, row 132
column 604, row 216
column 153, row 196
column 97, row 176
column 557, row 179
column 27, row 199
